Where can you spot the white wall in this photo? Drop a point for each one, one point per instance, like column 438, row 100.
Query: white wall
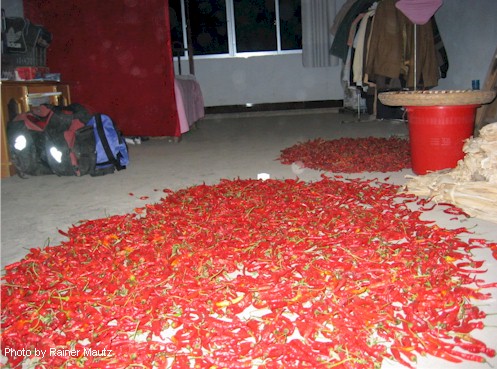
column 468, row 29
column 265, row 79
column 469, row 32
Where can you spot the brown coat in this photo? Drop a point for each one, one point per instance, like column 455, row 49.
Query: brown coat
column 391, row 49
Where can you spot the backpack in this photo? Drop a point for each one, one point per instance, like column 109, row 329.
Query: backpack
column 111, row 149
column 56, row 141
column 69, row 143
column 27, row 144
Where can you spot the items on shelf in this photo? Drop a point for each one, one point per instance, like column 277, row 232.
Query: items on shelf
column 24, row 49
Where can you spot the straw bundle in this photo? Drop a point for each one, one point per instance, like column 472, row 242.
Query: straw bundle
column 472, row 185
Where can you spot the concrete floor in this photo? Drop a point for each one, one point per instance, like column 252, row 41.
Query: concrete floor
column 229, row 146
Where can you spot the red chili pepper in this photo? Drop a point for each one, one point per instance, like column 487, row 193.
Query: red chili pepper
column 347, row 155
column 339, row 260
column 398, row 357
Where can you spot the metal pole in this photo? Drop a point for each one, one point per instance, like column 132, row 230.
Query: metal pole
column 358, row 104
column 189, row 38
column 415, row 58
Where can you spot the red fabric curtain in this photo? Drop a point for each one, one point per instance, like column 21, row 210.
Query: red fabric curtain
column 116, row 56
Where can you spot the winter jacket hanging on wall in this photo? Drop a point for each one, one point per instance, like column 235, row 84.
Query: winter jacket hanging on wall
column 361, row 48
column 442, row 58
column 340, row 47
column 387, row 47
column 391, row 51
column 427, row 64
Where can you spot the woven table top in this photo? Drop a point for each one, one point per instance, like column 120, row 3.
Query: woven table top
column 436, row 97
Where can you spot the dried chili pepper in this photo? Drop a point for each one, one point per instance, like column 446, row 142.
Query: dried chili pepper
column 350, row 155
column 247, row 273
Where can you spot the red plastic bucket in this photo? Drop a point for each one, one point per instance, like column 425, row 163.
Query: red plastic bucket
column 437, row 135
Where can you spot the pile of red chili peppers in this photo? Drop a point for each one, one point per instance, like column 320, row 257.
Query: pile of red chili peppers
column 250, row 274
column 351, row 155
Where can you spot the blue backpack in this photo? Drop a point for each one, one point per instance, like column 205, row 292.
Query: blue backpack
column 111, row 149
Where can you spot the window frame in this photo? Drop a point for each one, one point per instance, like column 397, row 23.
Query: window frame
column 232, row 52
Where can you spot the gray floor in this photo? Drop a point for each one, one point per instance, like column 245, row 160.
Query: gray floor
column 34, row 209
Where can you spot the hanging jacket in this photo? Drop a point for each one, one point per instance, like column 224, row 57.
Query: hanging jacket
column 391, row 48
column 339, row 47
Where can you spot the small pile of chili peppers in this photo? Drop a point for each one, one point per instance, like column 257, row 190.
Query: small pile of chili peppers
column 351, row 155
column 250, row 274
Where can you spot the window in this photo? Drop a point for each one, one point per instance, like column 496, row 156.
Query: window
column 290, row 24
column 209, row 26
column 255, row 26
column 233, row 27
column 176, row 22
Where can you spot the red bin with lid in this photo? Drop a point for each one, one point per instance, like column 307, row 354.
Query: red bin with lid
column 439, row 124
column 437, row 135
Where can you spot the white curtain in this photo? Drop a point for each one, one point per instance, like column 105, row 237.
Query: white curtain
column 317, row 19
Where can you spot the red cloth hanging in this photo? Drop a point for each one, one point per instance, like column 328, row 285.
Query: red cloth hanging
column 117, row 58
